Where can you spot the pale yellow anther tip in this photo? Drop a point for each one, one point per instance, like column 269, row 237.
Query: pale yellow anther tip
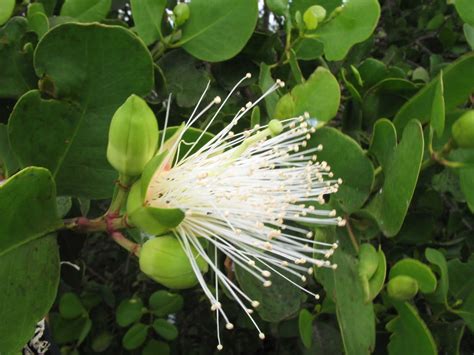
column 217, row 100
column 220, row 347
column 229, row 326
column 248, row 75
column 261, row 336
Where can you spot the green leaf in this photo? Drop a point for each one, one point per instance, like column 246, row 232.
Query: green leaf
column 182, row 78
column 135, row 336
column 437, row 258
column 417, row 270
column 68, row 134
column 437, row 108
column 465, row 9
column 458, row 85
column 165, row 329
column 147, row 16
column 16, row 59
column 86, row 10
column 210, row 33
column 129, row 311
column 154, row 347
column 410, row 333
column 295, row 68
column 320, row 95
column 39, row 23
column 163, row 303
column 29, row 260
column 343, row 287
column 8, row 162
column 6, row 10
column 390, row 205
column 278, row 302
column 102, row 341
column 461, row 278
column 353, row 24
column 469, row 34
column 309, row 49
column 466, row 312
column 325, row 339
column 30, row 278
column 466, row 179
column 69, row 330
column 349, row 163
column 265, row 81
column 70, row 306
column 305, row 326
column 384, row 142
column 28, row 195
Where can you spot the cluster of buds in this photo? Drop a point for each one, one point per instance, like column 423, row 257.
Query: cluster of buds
column 254, row 196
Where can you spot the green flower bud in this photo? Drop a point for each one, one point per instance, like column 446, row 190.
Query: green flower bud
column 181, row 13
column 278, row 7
column 164, row 260
column 463, row 130
column 314, row 15
column 368, row 260
column 133, row 137
column 402, row 287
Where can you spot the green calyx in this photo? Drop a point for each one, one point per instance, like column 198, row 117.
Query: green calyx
column 133, row 137
column 463, row 130
column 164, row 260
column 151, row 220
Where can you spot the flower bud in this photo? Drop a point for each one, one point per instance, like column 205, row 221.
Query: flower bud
column 463, row 130
column 402, row 287
column 368, row 260
column 164, row 260
column 133, row 137
column 314, row 15
column 181, row 13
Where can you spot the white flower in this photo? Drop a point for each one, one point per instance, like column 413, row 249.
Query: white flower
column 245, row 193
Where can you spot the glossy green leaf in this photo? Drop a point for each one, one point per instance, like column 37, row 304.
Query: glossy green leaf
column 165, row 329
column 465, row 9
column 86, row 10
column 70, row 306
column 278, row 302
column 135, row 336
column 16, row 60
column 129, row 311
column 384, row 142
column 391, row 203
column 320, row 95
column 437, row 258
column 469, row 34
column 353, row 24
column 70, row 138
column 349, row 163
column 418, row 271
column 458, row 85
column 210, row 19
column 437, row 108
column 164, row 302
column 69, row 330
column 410, row 335
column 305, row 326
column 147, row 16
column 466, row 178
column 343, row 287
